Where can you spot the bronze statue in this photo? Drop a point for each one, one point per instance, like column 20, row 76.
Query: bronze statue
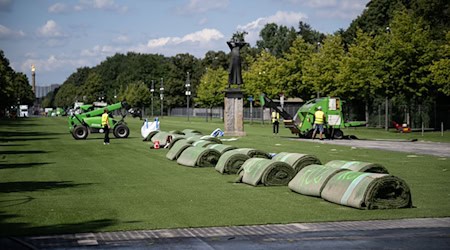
column 235, row 70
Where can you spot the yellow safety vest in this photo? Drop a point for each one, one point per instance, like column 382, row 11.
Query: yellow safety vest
column 275, row 116
column 318, row 117
column 105, row 119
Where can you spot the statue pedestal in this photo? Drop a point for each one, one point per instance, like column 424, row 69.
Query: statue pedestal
column 234, row 112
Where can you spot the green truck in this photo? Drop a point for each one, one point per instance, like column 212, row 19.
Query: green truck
column 302, row 124
column 90, row 121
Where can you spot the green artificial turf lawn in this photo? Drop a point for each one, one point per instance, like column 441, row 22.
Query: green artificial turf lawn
column 52, row 184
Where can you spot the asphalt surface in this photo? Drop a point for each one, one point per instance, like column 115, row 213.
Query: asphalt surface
column 415, row 147
column 425, row 233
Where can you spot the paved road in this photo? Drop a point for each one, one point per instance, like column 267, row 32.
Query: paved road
column 432, row 233
column 416, row 147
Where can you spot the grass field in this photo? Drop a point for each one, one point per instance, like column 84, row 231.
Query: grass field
column 52, row 184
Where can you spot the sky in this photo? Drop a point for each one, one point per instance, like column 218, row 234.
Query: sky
column 59, row 36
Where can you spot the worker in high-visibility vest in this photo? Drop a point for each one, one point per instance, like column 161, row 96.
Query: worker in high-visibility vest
column 275, row 122
column 105, row 125
column 319, row 121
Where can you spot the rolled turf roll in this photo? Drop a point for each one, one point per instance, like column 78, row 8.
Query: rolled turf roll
column 193, row 138
column 312, row 179
column 254, row 153
column 198, row 157
column 177, row 148
column 296, row 160
column 178, row 132
column 267, row 172
column 191, row 132
column 176, row 137
column 367, row 191
column 202, row 143
column 211, row 138
column 150, row 135
column 222, row 148
column 358, row 166
column 231, row 161
column 162, row 137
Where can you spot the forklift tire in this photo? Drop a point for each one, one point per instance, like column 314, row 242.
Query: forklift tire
column 80, row 133
column 338, row 134
column 309, row 134
column 121, row 131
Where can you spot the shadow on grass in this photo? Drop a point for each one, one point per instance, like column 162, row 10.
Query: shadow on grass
column 26, row 139
column 22, row 229
column 23, row 165
column 30, row 186
column 17, row 152
column 28, row 134
column 13, row 145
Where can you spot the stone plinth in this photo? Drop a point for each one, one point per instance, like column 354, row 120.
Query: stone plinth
column 234, row 113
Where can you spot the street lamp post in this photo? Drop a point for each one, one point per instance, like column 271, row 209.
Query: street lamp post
column 161, row 95
column 152, row 90
column 386, row 119
column 188, row 93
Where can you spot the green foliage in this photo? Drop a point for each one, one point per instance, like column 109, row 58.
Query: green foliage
column 263, row 76
column 14, row 87
column 440, row 70
column 359, row 76
column 308, row 34
column 276, row 39
column 322, row 69
column 210, row 92
column 292, row 68
column 136, row 94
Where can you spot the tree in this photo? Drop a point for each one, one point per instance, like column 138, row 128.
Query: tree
column 440, row 69
column 210, row 92
column 292, row 67
column 276, row 39
column 322, row 68
column 359, row 76
column 308, row 34
column 136, row 94
column 263, row 76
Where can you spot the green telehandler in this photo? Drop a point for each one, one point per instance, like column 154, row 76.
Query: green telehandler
column 302, row 124
column 81, row 125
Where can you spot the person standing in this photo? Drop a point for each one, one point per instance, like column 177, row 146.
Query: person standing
column 319, row 121
column 275, row 122
column 105, row 125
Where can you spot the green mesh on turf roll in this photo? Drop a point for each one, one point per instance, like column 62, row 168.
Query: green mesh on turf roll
column 176, row 132
column 358, row 166
column 191, row 132
column 254, row 153
column 266, row 172
column 177, row 148
column 367, row 191
column 150, row 135
column 176, row 138
column 296, row 160
column 231, row 161
column 198, row 157
column 194, row 138
column 202, row 143
column 222, row 148
column 312, row 179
